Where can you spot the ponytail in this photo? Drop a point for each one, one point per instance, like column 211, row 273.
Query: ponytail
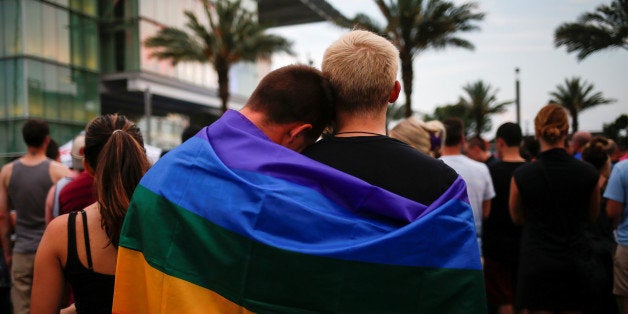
column 120, row 164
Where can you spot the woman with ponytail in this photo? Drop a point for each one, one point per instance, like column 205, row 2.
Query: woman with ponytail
column 81, row 248
column 554, row 198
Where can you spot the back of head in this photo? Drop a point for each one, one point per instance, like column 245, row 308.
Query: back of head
column 34, row 132
column 362, row 68
column 478, row 142
column 425, row 137
column 511, row 134
column 580, row 139
column 295, row 93
column 454, row 127
column 52, row 151
column 595, row 152
column 114, row 148
column 551, row 123
column 78, row 153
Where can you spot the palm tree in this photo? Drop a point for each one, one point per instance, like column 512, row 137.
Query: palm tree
column 481, row 103
column 457, row 110
column 232, row 35
column 607, row 27
column 414, row 26
column 577, row 96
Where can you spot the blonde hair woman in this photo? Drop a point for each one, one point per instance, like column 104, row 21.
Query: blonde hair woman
column 426, row 137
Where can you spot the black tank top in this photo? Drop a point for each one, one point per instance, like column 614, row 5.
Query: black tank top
column 93, row 292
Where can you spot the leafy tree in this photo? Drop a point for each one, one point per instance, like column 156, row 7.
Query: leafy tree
column 232, row 35
column 618, row 130
column 576, row 96
column 414, row 26
column 481, row 102
column 606, row 27
column 449, row 111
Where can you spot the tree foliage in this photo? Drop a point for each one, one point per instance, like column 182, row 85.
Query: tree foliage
column 606, row 27
column 231, row 35
column 414, row 26
column 618, row 130
column 576, row 96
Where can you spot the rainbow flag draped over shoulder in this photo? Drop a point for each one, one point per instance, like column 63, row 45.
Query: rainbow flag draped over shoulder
column 229, row 222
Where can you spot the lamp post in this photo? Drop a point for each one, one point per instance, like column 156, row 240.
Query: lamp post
column 517, row 98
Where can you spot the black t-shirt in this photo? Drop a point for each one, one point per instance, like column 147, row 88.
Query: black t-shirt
column 500, row 236
column 387, row 163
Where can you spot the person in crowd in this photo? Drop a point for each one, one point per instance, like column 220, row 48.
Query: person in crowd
column 600, row 234
column 24, row 184
column 616, row 194
column 578, row 140
column 478, row 149
column 80, row 193
column 426, row 137
column 530, row 148
column 52, row 151
column 83, row 250
column 362, row 68
column 500, row 236
column 475, row 174
column 554, row 199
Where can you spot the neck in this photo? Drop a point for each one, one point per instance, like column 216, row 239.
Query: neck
column 547, row 146
column 511, row 154
column 451, row 150
column 360, row 125
column 35, row 152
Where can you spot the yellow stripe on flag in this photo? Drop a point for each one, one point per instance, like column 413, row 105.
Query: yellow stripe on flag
column 140, row 288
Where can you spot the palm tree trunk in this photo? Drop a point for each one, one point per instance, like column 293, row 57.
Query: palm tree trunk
column 407, row 76
column 222, row 69
column 574, row 121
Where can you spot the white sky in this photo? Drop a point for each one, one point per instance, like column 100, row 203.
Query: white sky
column 514, row 33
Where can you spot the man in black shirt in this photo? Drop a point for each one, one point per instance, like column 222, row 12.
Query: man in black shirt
column 362, row 68
column 500, row 236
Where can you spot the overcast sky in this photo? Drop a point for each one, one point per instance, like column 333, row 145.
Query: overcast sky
column 515, row 33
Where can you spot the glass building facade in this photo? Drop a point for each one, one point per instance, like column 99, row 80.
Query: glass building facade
column 49, row 68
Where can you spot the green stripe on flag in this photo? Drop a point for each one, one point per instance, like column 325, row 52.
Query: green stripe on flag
column 263, row 278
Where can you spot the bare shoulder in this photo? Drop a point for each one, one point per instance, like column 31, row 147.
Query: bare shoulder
column 59, row 170
column 56, row 234
column 5, row 174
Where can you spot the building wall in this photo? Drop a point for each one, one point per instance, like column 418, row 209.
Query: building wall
column 48, row 68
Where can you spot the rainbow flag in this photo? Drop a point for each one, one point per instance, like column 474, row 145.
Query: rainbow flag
column 229, row 222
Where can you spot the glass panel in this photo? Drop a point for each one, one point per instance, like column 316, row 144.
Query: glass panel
column 90, row 7
column 50, row 31
column 15, row 87
column 92, row 104
column 4, row 103
column 76, row 37
column 91, row 44
column 78, row 109
column 67, row 92
column 11, row 27
column 63, row 36
column 33, row 36
column 35, row 82
column 51, row 92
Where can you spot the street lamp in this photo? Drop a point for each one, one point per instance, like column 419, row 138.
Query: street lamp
column 517, row 98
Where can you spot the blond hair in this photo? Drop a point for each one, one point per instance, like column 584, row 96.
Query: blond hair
column 426, row 137
column 362, row 67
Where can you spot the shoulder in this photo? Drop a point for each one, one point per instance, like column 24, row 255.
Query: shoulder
column 59, row 170
column 5, row 174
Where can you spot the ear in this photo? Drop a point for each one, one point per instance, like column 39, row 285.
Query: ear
column 394, row 94
column 88, row 168
column 295, row 138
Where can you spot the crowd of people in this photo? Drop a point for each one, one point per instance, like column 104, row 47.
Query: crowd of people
column 303, row 201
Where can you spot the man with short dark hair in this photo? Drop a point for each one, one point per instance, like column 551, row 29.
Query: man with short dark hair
column 478, row 149
column 500, row 236
column 217, row 202
column 475, row 174
column 24, row 183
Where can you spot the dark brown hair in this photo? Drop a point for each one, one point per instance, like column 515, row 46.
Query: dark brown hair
column 295, row 93
column 454, row 128
column 595, row 152
column 34, row 132
column 551, row 123
column 114, row 148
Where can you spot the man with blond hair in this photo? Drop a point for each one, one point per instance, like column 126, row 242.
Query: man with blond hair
column 362, row 68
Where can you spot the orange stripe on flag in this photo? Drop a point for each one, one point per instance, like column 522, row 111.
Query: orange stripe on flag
column 140, row 288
